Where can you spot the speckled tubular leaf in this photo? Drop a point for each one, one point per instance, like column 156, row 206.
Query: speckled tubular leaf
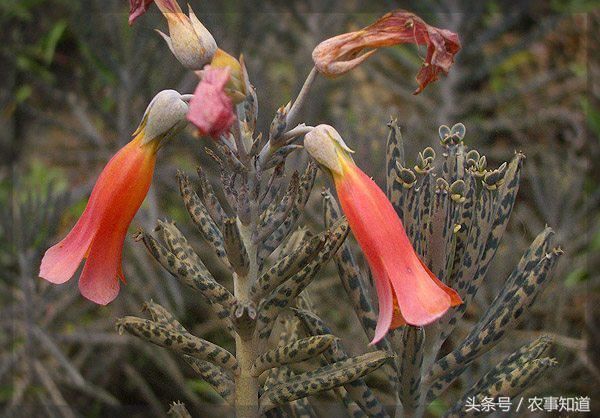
column 272, row 188
column 321, row 379
column 498, row 380
column 211, row 202
column 424, row 219
column 191, row 275
column 357, row 390
column 181, row 342
column 199, row 214
column 284, row 295
column 280, row 155
column 299, row 350
column 287, row 266
column 463, row 223
column 463, row 281
column 485, row 336
column 215, row 376
column 278, row 211
column 411, row 363
column 532, row 256
column 163, row 317
column 234, row 247
column 394, row 153
column 178, row 410
column 507, row 194
column 307, row 180
column 410, row 204
column 511, row 384
column 179, row 246
column 299, row 407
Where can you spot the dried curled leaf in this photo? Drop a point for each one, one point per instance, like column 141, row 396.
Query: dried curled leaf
column 294, row 352
column 321, row 379
column 181, row 342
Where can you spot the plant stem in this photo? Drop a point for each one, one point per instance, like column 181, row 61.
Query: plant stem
column 299, row 102
column 246, row 347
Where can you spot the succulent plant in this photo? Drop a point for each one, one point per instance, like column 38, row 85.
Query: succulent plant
column 452, row 214
column 455, row 210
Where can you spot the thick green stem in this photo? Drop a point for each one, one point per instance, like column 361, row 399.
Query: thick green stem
column 246, row 347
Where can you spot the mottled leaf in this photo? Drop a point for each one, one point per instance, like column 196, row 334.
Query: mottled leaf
column 193, row 276
column 273, row 241
column 284, row 295
column 201, row 217
column 293, row 352
column 235, row 248
column 279, row 156
column 357, row 390
column 411, row 363
column 287, row 266
column 321, row 379
column 181, row 342
column 209, row 198
column 483, row 337
column 214, row 375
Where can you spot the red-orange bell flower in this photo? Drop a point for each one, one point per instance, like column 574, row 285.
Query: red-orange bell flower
column 408, row 292
column 121, row 188
column 340, row 54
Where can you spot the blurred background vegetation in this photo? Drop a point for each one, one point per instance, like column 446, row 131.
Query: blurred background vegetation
column 75, row 79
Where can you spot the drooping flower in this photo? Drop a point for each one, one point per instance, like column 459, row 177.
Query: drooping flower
column 340, row 54
column 188, row 39
column 99, row 233
column 408, row 292
column 211, row 109
column 138, row 8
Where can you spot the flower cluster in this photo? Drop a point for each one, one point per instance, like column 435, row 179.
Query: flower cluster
column 408, row 292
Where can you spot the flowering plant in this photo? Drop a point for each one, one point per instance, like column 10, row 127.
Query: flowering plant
column 428, row 240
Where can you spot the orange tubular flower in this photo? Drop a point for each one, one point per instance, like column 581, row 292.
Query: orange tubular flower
column 408, row 292
column 121, row 188
column 340, row 54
